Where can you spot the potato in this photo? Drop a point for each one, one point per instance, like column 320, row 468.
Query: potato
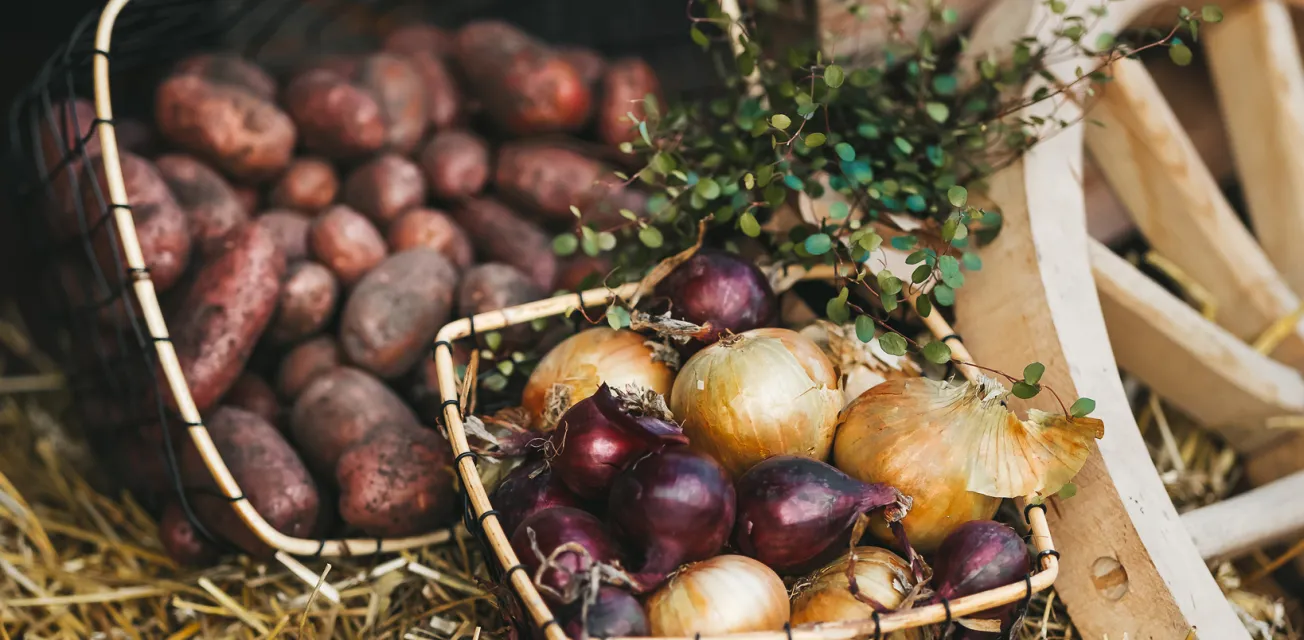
column 432, row 229
column 182, row 542
column 581, row 272
column 401, row 92
column 226, row 310
column 338, row 409
column 308, row 185
column 398, row 481
column 249, row 197
column 456, row 163
column 60, row 138
column 385, row 187
column 212, row 205
column 230, row 69
column 251, row 393
column 419, row 38
column 500, row 235
column 423, row 386
column 549, row 179
column 304, row 363
column 493, row 286
column 112, row 304
column 271, row 476
column 526, row 87
column 346, row 242
column 587, row 62
column 240, row 133
column 135, row 136
column 308, row 298
column 625, row 84
column 335, row 118
column 162, row 228
column 290, row 230
column 395, row 311
column 426, row 48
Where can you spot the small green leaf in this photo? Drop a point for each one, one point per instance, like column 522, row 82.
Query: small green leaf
column 871, row 241
column 957, row 195
column 916, row 257
column 699, row 37
column 839, row 210
column 617, row 317
column 1180, row 54
column 924, row 306
column 1058, row 6
column 864, row 328
column 565, row 244
column 493, row 340
column 628, row 215
column 833, row 76
column 971, row 261
column 606, row 241
column 749, row 181
column 1033, row 372
column 575, row 211
column 780, row 121
column 950, row 270
column 651, row 236
column 1024, row 390
column 707, row 188
column 845, row 151
column 1211, row 13
column 642, row 132
column 818, row 244
column 904, row 243
column 750, row 227
column 937, row 352
column 892, row 343
column 945, row 84
column 1068, row 491
column 888, row 283
column 903, row 145
column 950, row 16
column 890, row 302
column 505, row 367
column 937, row 111
column 815, row 139
column 837, row 310
column 921, row 273
column 1082, row 407
column 943, row 295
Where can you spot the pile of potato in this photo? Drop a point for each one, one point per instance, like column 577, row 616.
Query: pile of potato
column 309, row 235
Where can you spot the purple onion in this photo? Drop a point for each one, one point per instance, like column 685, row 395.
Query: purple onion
column 613, row 614
column 719, row 288
column 978, row 556
column 538, row 538
column 529, row 489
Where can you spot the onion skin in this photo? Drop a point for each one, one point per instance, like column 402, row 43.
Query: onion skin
column 881, row 576
column 726, row 594
column 527, row 490
column 721, row 289
column 759, row 394
column 553, row 528
column 795, row 514
column 613, row 614
column 590, row 358
column 676, row 507
column 978, row 556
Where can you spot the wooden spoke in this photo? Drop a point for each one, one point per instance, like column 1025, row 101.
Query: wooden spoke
column 1251, row 520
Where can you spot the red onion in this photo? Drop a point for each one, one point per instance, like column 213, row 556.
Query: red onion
column 529, row 489
column 721, row 289
column 978, row 556
column 795, row 514
column 613, row 614
column 673, row 507
column 600, row 436
column 573, row 542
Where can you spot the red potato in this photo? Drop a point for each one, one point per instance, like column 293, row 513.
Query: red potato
column 225, row 312
column 240, row 133
column 587, row 62
column 431, row 229
column 419, row 38
column 394, row 312
column 84, row 292
column 401, row 92
column 426, row 48
column 249, row 197
column 308, row 185
column 526, row 87
column 304, row 363
column 423, row 387
column 549, row 179
column 338, row 409
column 385, row 187
column 162, row 227
column 308, row 298
column 135, row 136
column 500, row 235
column 251, row 393
column 335, row 118
column 457, row 164
column 581, row 272
column 493, row 286
column 182, row 542
column 625, row 85
column 231, row 69
column 396, row 482
column 272, row 478
column 213, row 206
column 290, row 230
column 346, row 242
column 339, row 63
column 61, row 137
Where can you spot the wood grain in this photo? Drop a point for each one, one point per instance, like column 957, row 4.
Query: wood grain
column 1252, row 520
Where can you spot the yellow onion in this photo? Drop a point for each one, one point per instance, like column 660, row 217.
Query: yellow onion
column 956, row 450
column 881, row 576
column 862, row 364
column 726, row 594
column 758, row 394
column 582, row 362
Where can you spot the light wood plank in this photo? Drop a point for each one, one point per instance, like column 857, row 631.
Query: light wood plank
column 1254, row 519
column 1259, row 79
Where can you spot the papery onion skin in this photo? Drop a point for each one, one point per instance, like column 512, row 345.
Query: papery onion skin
column 726, row 291
column 978, row 556
column 795, row 514
column 614, row 614
column 881, row 575
column 673, row 507
column 589, row 358
column 758, row 394
column 553, row 528
column 527, row 490
column 726, row 594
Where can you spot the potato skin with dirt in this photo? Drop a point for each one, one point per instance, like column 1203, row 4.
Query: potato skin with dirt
column 587, row 62
column 212, row 205
column 338, row 409
column 271, row 475
column 347, row 243
column 304, row 363
column 251, row 393
column 431, row 229
column 625, row 84
column 225, row 312
column 384, row 188
column 240, row 133
column 395, row 311
column 500, row 235
column 308, row 299
column 308, row 185
column 549, row 179
column 231, row 69
column 400, row 91
column 456, row 163
column 526, row 87
column 493, row 286
column 290, row 230
column 182, row 542
column 335, row 118
column 398, row 481
column 60, row 138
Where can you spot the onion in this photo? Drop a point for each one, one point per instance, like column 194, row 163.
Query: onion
column 882, row 578
column 613, row 613
column 861, row 364
column 603, row 434
column 795, row 514
column 727, row 292
column 674, row 507
column 726, row 594
column 586, row 360
column 529, row 489
column 978, row 556
column 956, row 450
column 758, row 394
column 572, row 543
